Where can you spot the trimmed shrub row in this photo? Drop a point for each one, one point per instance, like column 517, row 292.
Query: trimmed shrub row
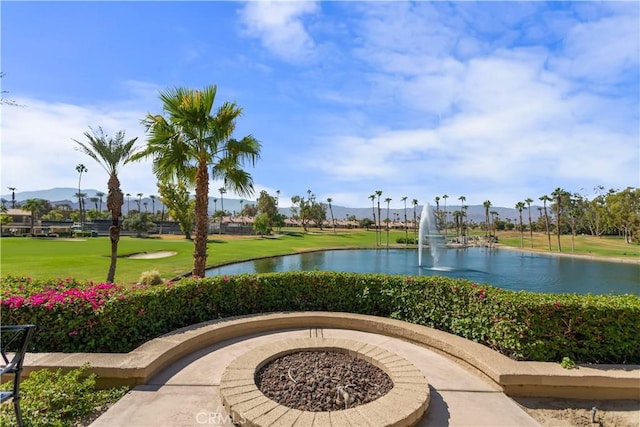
column 88, row 317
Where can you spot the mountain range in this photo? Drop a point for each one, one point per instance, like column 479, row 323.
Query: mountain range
column 66, row 195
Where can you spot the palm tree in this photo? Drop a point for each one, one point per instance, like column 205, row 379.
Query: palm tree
column 379, row 231
column 100, row 195
column 528, row 201
column 438, row 219
column 462, row 230
column 486, row 204
column 81, row 168
column 128, row 201
column 544, row 200
column 153, row 204
column 333, row 221
column 415, row 220
column 241, row 203
column 456, row 220
column 557, row 194
column 445, row 197
column 139, row 202
column 188, row 140
column 13, row 197
column 388, row 200
column 406, row 230
column 520, row 207
column 222, row 191
column 95, row 201
column 34, row 206
column 373, row 208
column 494, row 217
column 111, row 153
column 277, row 198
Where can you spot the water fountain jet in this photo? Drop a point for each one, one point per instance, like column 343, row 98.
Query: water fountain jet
column 429, row 230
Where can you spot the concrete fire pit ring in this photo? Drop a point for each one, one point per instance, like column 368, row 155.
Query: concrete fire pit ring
column 404, row 405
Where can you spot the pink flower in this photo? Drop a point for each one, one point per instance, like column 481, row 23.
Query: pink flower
column 557, row 304
column 73, row 333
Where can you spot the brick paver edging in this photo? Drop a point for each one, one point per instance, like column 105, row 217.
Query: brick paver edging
column 404, row 405
column 516, row 378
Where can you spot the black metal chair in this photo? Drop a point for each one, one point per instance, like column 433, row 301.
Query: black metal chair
column 14, row 341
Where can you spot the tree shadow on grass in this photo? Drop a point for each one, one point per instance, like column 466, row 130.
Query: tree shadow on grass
column 216, row 241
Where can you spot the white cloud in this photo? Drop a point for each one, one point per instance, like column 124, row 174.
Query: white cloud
column 38, row 150
column 600, row 51
column 280, row 28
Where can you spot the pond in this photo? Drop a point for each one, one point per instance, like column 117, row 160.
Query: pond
column 507, row 269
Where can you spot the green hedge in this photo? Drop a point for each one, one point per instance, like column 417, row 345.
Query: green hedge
column 85, row 317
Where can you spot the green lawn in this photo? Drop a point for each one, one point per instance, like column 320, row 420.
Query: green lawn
column 88, row 259
column 584, row 245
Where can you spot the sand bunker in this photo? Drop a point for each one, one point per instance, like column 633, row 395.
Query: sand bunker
column 153, row 255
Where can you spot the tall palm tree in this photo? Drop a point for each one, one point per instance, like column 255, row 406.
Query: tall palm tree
column 486, row 204
column 494, row 219
column 188, row 141
column 388, row 200
column 415, row 219
column 100, row 195
column 520, row 207
column 544, row 200
column 81, row 168
column 128, row 202
column 153, row 204
column 95, row 201
column 462, row 229
column 13, row 197
column 406, row 229
column 445, row 197
column 456, row 219
column 557, row 194
column 437, row 214
column 110, row 153
column 139, row 202
column 373, row 209
column 333, row 221
column 528, row 201
column 378, row 194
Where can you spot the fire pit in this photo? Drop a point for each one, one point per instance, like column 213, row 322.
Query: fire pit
column 360, row 383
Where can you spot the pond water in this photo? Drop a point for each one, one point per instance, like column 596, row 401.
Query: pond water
column 507, row 269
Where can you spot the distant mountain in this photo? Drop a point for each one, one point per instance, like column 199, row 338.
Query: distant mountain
column 53, row 194
column 66, row 195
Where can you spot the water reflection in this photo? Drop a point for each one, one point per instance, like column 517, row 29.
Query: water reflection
column 504, row 268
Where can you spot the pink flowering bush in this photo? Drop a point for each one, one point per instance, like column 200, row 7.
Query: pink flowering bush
column 77, row 316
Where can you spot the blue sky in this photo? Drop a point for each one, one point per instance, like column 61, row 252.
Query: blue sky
column 487, row 100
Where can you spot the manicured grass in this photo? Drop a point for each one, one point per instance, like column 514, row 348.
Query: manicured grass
column 584, row 245
column 88, row 259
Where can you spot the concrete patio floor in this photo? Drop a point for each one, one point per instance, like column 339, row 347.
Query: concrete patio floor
column 187, row 392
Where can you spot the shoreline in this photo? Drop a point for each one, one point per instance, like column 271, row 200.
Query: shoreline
column 573, row 255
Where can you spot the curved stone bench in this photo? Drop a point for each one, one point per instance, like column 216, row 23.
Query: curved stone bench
column 516, row 378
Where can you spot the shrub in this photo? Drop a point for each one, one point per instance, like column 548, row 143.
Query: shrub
column 408, row 240
column 150, row 278
column 51, row 398
column 521, row 325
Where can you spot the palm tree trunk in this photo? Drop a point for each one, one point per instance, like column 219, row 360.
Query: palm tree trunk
column 201, row 219
column 115, row 200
